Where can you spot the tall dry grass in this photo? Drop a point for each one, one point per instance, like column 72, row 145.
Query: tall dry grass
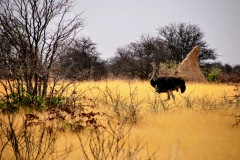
column 190, row 135
column 199, row 125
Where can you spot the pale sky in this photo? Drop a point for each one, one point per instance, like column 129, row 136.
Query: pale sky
column 116, row 23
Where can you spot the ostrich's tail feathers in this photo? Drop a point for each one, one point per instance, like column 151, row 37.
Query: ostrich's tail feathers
column 183, row 86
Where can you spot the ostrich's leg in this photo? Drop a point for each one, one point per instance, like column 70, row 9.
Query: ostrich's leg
column 173, row 97
column 168, row 96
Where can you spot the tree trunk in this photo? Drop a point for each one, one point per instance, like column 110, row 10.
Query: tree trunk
column 45, row 85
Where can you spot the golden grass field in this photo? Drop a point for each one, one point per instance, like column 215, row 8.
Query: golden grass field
column 199, row 126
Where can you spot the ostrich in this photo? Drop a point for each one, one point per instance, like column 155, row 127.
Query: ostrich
column 166, row 84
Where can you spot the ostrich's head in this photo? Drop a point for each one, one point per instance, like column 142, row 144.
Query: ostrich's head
column 153, row 64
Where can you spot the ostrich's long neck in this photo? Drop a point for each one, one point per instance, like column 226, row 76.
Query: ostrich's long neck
column 155, row 72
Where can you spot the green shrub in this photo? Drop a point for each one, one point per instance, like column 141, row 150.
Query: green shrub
column 14, row 102
column 54, row 101
column 212, row 77
column 168, row 68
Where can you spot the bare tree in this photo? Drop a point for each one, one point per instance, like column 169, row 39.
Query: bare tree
column 5, row 48
column 181, row 38
column 82, row 61
column 38, row 31
column 134, row 59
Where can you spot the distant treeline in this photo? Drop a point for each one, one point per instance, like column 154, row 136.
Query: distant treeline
column 28, row 52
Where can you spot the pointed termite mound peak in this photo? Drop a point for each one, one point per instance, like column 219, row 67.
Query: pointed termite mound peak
column 189, row 69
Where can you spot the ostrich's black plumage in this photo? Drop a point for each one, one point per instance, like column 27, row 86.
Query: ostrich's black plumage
column 166, row 84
